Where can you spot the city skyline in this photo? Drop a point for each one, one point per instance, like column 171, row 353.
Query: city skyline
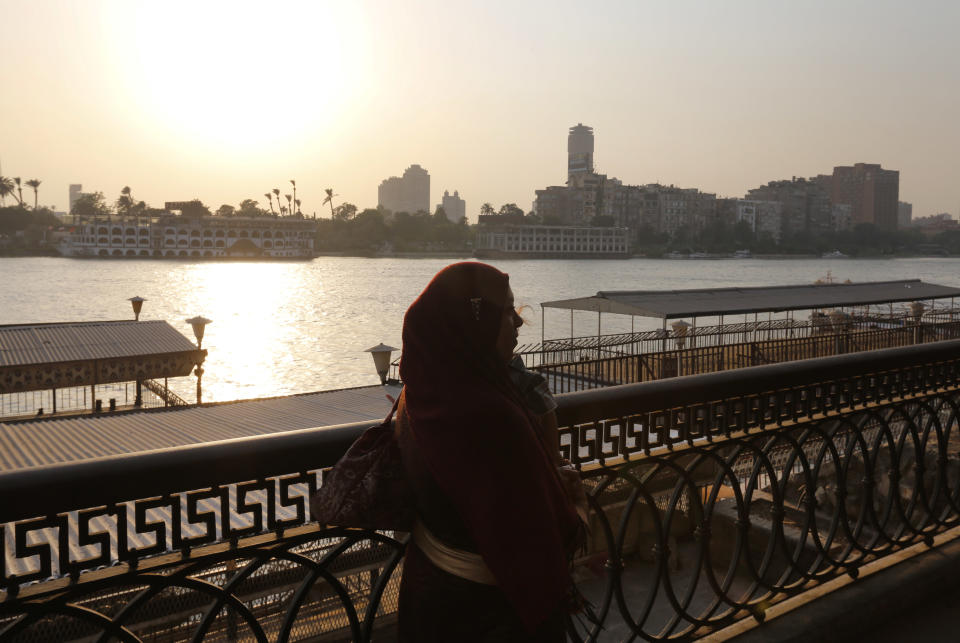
column 226, row 105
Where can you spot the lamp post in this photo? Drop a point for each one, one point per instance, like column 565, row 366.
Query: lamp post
column 137, row 303
column 381, row 359
column 198, row 324
column 680, row 332
column 680, row 336
column 916, row 311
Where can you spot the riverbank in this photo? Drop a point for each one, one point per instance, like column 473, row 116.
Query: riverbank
column 462, row 254
column 28, row 252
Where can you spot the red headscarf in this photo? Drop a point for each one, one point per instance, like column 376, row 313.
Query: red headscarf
column 479, row 443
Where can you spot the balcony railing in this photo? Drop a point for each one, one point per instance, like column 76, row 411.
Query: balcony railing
column 712, row 497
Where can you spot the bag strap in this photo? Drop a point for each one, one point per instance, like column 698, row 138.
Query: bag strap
column 396, row 403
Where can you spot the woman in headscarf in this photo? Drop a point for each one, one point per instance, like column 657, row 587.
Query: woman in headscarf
column 488, row 557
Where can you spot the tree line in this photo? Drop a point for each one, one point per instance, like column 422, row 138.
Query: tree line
column 375, row 230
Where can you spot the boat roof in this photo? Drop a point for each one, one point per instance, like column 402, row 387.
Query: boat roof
column 28, row 344
column 52, row 440
column 702, row 302
column 44, row 356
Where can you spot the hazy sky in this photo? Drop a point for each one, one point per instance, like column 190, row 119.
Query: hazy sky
column 223, row 101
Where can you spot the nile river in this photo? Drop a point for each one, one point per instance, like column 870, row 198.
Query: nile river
column 281, row 328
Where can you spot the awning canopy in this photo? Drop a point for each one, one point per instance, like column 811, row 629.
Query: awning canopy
column 46, row 356
column 704, row 302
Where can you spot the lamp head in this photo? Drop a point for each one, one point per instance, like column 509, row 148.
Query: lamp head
column 137, row 303
column 198, row 323
column 381, row 359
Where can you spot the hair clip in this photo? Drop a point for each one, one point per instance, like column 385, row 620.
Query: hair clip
column 475, row 304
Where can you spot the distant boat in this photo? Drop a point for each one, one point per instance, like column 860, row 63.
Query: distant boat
column 675, row 255
column 699, row 255
column 742, row 254
column 836, row 254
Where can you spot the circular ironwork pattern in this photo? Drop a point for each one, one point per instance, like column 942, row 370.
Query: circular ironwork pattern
column 689, row 541
column 324, row 582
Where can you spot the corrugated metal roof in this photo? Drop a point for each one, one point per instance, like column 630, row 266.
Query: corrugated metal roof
column 24, row 345
column 49, row 441
column 673, row 304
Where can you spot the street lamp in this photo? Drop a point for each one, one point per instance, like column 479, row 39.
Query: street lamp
column 916, row 311
column 137, row 303
column 381, row 359
column 680, row 332
column 199, row 323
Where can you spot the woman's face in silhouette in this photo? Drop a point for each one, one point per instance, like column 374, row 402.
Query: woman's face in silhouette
column 510, row 322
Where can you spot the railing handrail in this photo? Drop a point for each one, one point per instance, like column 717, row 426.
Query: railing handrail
column 52, row 489
column 55, row 488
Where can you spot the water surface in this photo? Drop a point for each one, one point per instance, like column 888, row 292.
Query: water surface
column 292, row 327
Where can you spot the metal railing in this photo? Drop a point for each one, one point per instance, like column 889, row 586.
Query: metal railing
column 570, row 354
column 712, row 497
column 164, row 393
column 80, row 399
column 552, row 351
column 612, row 368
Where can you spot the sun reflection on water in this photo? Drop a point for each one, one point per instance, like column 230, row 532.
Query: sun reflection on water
column 259, row 322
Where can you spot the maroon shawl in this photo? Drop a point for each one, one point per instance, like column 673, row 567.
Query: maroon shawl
column 479, row 443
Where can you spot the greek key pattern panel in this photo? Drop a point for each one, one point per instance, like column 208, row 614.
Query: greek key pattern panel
column 635, row 435
column 79, row 541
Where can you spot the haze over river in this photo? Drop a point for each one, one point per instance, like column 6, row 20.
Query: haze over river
column 293, row 327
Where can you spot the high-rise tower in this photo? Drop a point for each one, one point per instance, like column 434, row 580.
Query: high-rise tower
column 410, row 193
column 76, row 190
column 579, row 150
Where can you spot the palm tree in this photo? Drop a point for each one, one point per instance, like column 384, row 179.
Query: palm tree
column 276, row 193
column 125, row 202
column 16, row 180
column 294, row 191
column 288, row 197
column 6, row 187
column 486, row 209
column 329, row 199
column 269, row 196
column 34, row 183
column 297, row 201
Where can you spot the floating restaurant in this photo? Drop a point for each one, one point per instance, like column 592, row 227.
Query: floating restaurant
column 92, row 366
column 171, row 236
column 714, row 329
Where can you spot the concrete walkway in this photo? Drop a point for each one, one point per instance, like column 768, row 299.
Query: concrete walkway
column 913, row 595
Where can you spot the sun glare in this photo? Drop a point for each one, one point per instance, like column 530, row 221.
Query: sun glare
column 238, row 75
column 248, row 344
